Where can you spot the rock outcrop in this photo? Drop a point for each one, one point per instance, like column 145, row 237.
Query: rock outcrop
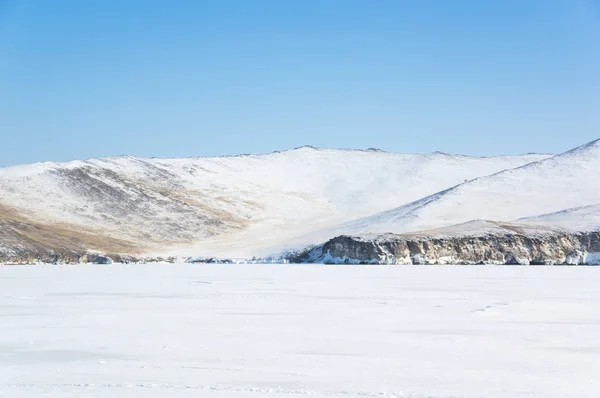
column 516, row 249
column 64, row 256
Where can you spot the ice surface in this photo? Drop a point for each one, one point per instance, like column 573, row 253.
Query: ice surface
column 188, row 330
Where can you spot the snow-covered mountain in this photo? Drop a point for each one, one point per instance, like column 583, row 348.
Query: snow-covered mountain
column 256, row 205
column 230, row 206
column 540, row 193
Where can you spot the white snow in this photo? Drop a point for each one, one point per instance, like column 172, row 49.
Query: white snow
column 585, row 218
column 551, row 185
column 247, row 331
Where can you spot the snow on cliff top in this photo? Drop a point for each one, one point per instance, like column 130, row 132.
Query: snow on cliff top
column 585, row 218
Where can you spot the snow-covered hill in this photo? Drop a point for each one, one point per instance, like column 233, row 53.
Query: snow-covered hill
column 550, row 185
column 584, row 218
column 234, row 206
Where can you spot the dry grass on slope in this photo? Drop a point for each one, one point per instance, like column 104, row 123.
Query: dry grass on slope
column 20, row 232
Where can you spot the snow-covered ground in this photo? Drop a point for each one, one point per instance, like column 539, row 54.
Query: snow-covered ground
column 308, row 330
column 585, row 218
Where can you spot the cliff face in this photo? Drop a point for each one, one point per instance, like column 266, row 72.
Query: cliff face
column 548, row 249
column 63, row 256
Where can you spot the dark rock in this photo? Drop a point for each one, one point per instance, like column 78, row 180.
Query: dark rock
column 510, row 249
column 103, row 260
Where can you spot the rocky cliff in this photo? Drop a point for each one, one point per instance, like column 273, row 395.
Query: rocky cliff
column 510, row 248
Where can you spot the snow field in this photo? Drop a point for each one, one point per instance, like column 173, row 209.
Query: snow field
column 298, row 330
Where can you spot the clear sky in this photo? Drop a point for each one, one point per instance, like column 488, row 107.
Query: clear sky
column 82, row 79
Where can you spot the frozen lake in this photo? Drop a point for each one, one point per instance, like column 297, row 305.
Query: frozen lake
column 293, row 330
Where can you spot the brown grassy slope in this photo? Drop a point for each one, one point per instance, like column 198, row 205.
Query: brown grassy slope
column 21, row 233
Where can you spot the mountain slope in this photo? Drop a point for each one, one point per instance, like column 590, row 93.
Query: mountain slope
column 547, row 186
column 221, row 205
column 584, row 218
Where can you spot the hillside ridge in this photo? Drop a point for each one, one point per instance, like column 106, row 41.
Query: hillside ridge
column 257, row 205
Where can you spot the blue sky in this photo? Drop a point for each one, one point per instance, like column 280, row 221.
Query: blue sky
column 82, row 79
